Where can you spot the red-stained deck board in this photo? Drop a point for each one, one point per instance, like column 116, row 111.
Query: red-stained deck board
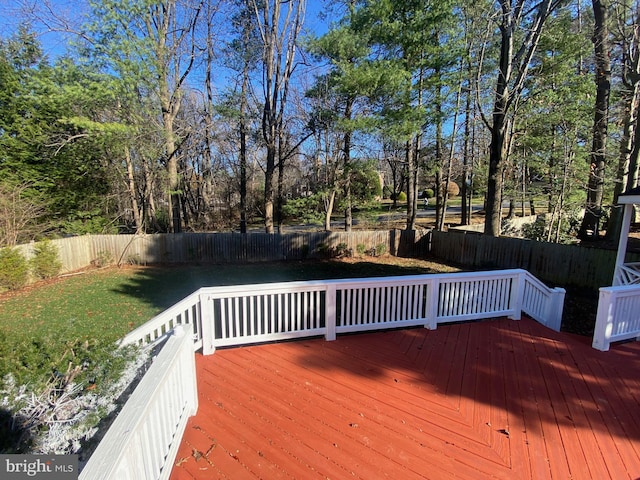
column 363, row 418
column 526, row 424
column 493, row 399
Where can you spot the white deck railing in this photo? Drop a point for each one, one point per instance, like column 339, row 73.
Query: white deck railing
column 542, row 303
column 627, row 274
column 144, row 438
column 243, row 314
column 258, row 313
column 618, row 315
column 185, row 312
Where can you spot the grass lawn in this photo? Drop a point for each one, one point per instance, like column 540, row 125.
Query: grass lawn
column 63, row 332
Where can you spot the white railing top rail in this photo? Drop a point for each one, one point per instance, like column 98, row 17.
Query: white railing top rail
column 627, row 274
column 191, row 311
column 617, row 318
column 311, row 285
column 364, row 304
column 144, row 438
column 182, row 313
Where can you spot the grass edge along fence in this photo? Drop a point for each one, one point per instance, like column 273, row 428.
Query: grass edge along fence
column 566, row 265
column 183, row 248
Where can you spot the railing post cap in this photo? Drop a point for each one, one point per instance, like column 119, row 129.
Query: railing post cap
column 178, row 331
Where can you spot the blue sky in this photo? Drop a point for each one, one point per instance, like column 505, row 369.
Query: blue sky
column 12, row 13
column 54, row 43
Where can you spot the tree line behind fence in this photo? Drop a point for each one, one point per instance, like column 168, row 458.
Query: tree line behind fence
column 554, row 263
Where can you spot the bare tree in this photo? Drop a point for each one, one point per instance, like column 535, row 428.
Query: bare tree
column 172, row 34
column 20, row 215
column 280, row 23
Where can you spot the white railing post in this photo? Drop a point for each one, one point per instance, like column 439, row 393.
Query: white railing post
column 433, row 289
column 517, row 294
column 208, row 323
column 189, row 379
column 144, row 438
column 604, row 320
column 555, row 307
column 330, row 312
column 622, row 245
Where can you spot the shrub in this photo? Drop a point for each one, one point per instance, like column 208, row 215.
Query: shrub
column 453, row 190
column 361, row 249
column 134, row 259
column 381, row 249
column 14, row 269
column 103, row 259
column 323, row 250
column 343, row 250
column 45, row 262
column 428, row 193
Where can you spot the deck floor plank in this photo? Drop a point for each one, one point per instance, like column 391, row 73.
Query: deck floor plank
column 373, row 429
column 493, row 399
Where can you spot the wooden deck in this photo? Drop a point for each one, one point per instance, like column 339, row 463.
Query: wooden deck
column 495, row 399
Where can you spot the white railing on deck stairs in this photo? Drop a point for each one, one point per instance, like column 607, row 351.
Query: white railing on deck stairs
column 618, row 316
column 142, row 441
column 627, row 274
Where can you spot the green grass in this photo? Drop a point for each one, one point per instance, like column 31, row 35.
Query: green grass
column 48, row 330
column 66, row 331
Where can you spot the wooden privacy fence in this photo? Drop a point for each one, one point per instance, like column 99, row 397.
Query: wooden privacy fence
column 80, row 252
column 551, row 262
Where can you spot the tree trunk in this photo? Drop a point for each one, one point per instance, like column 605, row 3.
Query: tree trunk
column 172, row 174
column 243, row 149
column 512, row 72
column 346, row 152
column 412, row 180
column 440, row 187
column 283, row 147
column 149, row 207
column 589, row 229
column 329, row 203
column 624, row 160
column 499, row 129
column 269, row 189
column 447, row 177
column 131, row 187
column 278, row 33
column 467, row 163
column 160, row 27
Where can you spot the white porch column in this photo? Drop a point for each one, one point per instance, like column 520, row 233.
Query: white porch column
column 622, row 243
